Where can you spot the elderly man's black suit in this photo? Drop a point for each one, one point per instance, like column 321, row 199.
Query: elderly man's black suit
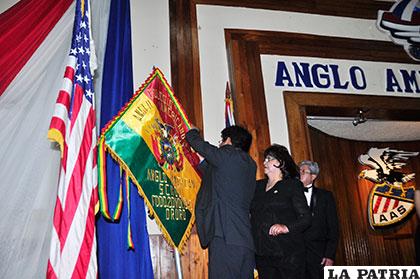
column 321, row 238
column 222, row 208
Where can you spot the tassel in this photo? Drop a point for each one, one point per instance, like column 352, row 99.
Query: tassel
column 103, row 196
column 130, row 242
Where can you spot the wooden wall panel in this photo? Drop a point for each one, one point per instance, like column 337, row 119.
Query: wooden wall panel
column 359, row 244
column 193, row 260
column 247, row 86
column 294, row 44
column 351, row 8
column 185, row 63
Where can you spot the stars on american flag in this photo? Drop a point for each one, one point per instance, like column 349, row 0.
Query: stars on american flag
column 80, row 49
column 79, row 78
column 89, row 93
column 83, row 24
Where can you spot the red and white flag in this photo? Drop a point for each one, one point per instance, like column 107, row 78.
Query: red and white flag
column 73, row 243
column 229, row 118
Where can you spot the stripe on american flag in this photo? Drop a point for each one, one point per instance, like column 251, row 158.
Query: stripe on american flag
column 73, row 241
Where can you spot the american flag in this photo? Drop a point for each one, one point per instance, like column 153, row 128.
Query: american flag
column 229, row 119
column 73, row 240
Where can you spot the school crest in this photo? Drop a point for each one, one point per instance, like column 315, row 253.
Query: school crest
column 166, row 146
column 391, row 200
column 402, row 24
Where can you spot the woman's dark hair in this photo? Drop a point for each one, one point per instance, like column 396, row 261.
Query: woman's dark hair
column 287, row 166
column 239, row 136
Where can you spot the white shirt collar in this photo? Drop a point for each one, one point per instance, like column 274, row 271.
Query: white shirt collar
column 308, row 194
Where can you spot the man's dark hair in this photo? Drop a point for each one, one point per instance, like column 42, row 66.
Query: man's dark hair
column 239, row 136
column 287, row 166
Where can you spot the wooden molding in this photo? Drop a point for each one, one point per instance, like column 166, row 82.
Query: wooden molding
column 299, row 138
column 352, row 8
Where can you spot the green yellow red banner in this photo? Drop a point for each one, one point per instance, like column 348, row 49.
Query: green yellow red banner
column 147, row 138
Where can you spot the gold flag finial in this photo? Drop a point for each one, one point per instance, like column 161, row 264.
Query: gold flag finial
column 82, row 7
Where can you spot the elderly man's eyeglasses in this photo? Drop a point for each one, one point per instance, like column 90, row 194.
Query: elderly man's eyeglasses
column 305, row 171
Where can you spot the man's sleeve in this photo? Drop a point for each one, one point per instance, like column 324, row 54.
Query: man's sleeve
column 203, row 166
column 332, row 230
column 302, row 210
column 209, row 152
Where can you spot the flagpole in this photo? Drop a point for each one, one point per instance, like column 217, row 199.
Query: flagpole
column 178, row 264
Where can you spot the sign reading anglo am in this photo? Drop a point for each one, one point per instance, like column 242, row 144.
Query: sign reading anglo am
column 344, row 75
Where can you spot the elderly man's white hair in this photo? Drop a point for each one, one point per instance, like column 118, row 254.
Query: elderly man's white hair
column 313, row 166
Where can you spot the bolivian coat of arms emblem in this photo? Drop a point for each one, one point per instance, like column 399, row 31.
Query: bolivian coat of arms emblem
column 391, row 200
column 166, row 146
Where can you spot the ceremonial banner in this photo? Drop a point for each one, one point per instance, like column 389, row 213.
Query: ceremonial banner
column 147, row 138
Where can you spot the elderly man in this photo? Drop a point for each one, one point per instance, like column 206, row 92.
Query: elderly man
column 321, row 238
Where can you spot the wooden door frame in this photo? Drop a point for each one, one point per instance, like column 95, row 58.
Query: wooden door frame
column 299, row 105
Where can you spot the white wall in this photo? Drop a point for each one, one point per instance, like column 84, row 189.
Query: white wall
column 150, row 39
column 150, row 46
column 6, row 4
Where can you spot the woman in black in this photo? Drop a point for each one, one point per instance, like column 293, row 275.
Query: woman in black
column 279, row 215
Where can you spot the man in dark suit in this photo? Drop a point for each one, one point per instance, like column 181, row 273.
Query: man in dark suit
column 224, row 200
column 321, row 238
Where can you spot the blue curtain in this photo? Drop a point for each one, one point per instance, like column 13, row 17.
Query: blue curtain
column 115, row 260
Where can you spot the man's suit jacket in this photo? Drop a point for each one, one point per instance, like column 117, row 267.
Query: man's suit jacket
column 321, row 238
column 224, row 199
